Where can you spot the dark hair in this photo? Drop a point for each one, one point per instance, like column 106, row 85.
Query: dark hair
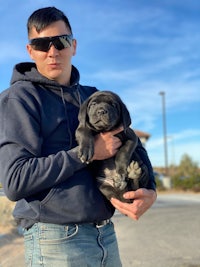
column 43, row 17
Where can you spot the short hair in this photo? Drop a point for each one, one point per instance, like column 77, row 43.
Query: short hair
column 43, row 17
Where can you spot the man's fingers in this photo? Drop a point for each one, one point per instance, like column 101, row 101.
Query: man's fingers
column 124, row 208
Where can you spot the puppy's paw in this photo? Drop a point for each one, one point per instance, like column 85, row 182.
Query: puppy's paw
column 86, row 152
column 134, row 170
column 119, row 181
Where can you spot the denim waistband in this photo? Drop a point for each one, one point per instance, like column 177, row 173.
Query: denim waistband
column 96, row 224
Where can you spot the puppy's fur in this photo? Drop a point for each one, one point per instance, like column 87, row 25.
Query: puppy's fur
column 104, row 111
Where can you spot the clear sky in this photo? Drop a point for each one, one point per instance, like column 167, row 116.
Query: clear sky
column 135, row 48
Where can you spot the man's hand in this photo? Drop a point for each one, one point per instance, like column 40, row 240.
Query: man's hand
column 143, row 199
column 106, row 144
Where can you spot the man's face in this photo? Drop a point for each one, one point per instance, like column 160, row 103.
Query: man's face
column 54, row 64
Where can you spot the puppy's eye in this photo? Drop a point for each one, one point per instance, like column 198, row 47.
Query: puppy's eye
column 93, row 103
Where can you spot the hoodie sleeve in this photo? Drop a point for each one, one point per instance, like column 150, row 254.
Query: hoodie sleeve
column 23, row 171
column 144, row 157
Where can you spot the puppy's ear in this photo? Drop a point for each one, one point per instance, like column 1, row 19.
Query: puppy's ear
column 82, row 116
column 126, row 118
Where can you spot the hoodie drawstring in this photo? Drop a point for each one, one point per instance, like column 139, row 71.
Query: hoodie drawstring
column 66, row 114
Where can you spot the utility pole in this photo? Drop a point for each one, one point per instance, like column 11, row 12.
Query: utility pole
column 162, row 93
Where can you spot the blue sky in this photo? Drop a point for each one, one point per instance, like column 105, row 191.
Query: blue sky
column 135, row 48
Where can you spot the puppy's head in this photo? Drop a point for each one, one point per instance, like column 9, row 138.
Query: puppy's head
column 104, row 111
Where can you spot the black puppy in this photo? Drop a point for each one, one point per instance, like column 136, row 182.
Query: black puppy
column 104, row 111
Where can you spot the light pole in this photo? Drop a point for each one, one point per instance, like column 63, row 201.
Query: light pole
column 162, row 93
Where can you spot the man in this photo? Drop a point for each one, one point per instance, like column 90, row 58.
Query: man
column 66, row 219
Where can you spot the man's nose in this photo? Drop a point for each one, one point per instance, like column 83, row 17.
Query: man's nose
column 52, row 50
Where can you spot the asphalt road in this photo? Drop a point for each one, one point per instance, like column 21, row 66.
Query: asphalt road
column 168, row 235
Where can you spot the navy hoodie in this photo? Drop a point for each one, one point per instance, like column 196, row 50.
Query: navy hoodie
column 39, row 165
column 38, row 153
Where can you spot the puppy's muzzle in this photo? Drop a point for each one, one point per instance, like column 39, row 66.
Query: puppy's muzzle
column 101, row 112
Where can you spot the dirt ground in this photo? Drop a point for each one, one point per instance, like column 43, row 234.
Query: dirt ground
column 11, row 243
column 11, row 247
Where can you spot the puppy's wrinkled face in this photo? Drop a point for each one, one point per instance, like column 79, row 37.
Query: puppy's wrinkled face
column 103, row 113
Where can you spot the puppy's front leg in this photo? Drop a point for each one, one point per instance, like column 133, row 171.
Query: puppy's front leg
column 85, row 141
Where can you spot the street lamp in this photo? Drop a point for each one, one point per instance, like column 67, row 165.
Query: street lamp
column 162, row 93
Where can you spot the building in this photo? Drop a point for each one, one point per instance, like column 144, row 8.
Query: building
column 143, row 136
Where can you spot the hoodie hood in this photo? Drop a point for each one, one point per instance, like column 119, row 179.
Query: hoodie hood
column 27, row 71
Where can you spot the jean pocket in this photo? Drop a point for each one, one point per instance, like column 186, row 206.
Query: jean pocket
column 57, row 234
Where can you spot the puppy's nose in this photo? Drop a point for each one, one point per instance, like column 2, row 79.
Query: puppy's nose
column 101, row 111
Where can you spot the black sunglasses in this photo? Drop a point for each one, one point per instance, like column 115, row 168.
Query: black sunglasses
column 43, row 44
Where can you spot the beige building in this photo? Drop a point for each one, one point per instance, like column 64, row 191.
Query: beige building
column 143, row 136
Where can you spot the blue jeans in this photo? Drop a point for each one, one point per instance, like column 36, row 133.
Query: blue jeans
column 84, row 245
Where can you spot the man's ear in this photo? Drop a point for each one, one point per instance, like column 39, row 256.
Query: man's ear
column 30, row 50
column 74, row 46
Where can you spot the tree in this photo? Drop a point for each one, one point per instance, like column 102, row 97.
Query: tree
column 187, row 166
column 187, row 174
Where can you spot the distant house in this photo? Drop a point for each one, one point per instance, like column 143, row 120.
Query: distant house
column 143, row 136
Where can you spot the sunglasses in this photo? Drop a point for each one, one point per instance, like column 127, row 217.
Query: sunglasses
column 59, row 42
